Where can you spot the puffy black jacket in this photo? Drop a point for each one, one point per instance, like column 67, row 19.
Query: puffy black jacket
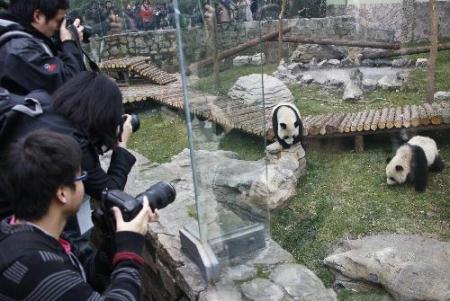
column 121, row 160
column 34, row 62
column 36, row 266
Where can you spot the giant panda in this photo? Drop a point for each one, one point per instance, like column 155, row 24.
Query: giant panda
column 412, row 161
column 287, row 125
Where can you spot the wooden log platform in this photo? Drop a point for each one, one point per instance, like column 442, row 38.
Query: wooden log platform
column 139, row 66
column 233, row 114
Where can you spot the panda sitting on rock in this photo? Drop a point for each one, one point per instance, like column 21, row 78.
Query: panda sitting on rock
column 287, row 125
column 412, row 161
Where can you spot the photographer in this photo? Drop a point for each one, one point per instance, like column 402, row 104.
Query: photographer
column 29, row 58
column 35, row 263
column 89, row 108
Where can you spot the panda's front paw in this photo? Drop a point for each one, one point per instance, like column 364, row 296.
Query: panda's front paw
column 289, row 141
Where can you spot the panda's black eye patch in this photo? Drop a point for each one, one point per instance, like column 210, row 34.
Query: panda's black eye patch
column 283, row 125
column 296, row 124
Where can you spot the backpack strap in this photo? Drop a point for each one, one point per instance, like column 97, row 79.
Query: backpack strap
column 18, row 33
column 26, row 110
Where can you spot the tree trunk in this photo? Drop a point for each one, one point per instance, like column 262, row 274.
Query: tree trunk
column 304, row 40
column 216, row 63
column 433, row 50
column 406, row 51
column 280, row 29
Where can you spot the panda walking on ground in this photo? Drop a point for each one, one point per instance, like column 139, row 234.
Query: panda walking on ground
column 412, row 161
column 287, row 125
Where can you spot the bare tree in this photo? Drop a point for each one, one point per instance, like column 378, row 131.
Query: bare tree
column 433, row 50
column 280, row 29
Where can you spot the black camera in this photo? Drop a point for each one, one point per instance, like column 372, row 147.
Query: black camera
column 159, row 196
column 135, row 123
column 87, row 31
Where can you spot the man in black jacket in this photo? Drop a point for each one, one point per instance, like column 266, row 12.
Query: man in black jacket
column 35, row 263
column 29, row 58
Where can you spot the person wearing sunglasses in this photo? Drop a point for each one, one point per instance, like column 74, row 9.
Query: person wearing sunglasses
column 44, row 180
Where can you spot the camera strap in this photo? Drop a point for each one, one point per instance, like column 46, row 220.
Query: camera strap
column 93, row 65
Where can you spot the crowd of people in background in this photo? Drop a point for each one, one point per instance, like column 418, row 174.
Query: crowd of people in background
column 106, row 18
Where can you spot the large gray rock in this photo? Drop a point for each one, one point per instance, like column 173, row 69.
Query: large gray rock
column 421, row 63
column 306, row 79
column 241, row 60
column 221, row 293
column 390, row 82
column 301, row 283
column 305, row 52
column 333, row 63
column 260, row 185
column 409, row 267
column 401, row 62
column 248, row 89
column 258, row 59
column 260, row 289
column 296, row 68
column 352, row 89
column 442, row 95
column 369, row 84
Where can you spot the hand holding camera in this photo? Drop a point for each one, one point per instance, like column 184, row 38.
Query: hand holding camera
column 130, row 124
column 131, row 213
column 66, row 34
column 139, row 223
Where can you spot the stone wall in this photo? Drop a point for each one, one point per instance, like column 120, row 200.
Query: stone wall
column 405, row 21
column 161, row 45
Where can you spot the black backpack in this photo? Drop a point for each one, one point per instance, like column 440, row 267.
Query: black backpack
column 14, row 106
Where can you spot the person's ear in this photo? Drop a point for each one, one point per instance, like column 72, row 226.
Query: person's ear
column 38, row 17
column 61, row 194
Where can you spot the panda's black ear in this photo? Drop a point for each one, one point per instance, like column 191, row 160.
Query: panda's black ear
column 398, row 167
column 388, row 159
column 283, row 125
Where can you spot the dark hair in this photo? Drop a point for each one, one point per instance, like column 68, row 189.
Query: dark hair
column 24, row 9
column 93, row 103
column 35, row 167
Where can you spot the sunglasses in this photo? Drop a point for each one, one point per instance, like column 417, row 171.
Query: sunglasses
column 81, row 177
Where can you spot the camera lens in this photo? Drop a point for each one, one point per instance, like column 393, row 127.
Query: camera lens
column 159, row 195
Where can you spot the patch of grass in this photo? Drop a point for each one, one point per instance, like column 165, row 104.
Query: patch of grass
column 344, row 194
column 229, row 77
column 350, row 296
column 192, row 211
column 248, row 147
column 159, row 139
column 262, row 271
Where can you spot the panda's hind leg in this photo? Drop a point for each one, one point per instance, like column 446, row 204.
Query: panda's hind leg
column 438, row 165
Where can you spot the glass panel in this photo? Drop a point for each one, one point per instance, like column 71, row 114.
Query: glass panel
column 231, row 186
